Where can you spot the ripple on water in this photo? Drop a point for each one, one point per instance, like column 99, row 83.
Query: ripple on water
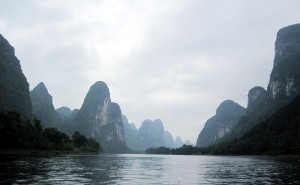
column 148, row 169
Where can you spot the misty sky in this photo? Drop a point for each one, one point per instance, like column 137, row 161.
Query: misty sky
column 175, row 60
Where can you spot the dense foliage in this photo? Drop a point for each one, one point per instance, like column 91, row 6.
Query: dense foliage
column 184, row 150
column 16, row 133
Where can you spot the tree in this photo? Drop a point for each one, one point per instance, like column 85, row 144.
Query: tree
column 10, row 129
column 78, row 139
column 55, row 136
column 93, row 145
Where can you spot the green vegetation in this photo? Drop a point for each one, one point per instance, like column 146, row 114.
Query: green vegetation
column 184, row 150
column 16, row 133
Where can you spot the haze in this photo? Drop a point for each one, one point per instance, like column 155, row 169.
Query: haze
column 174, row 60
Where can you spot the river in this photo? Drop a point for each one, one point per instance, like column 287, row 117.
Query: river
column 147, row 169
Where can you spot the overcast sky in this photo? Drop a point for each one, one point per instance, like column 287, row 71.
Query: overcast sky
column 175, row 60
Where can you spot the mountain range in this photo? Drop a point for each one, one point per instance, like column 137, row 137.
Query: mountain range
column 150, row 134
column 227, row 115
column 283, row 88
column 270, row 121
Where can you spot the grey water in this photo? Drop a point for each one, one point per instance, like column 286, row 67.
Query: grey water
column 147, row 169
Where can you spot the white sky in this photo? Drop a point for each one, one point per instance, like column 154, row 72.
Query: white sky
column 174, row 60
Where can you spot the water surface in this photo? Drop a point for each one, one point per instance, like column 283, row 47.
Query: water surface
column 147, row 169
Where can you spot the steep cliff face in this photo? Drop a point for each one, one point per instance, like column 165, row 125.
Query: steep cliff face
column 284, row 83
column 285, row 76
column 256, row 97
column 43, row 108
column 227, row 115
column 100, row 118
column 14, row 88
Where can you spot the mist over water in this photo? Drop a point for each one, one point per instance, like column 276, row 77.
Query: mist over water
column 148, row 169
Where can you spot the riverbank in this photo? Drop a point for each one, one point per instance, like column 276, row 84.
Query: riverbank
column 45, row 152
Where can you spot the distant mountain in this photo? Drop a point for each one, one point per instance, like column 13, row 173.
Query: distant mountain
column 14, row 88
column 131, row 135
column 227, row 115
column 169, row 139
column 150, row 134
column 43, row 108
column 133, row 127
column 64, row 112
column 100, row 118
column 74, row 114
column 188, row 142
column 178, row 142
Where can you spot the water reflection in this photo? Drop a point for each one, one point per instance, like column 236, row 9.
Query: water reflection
column 255, row 170
column 148, row 169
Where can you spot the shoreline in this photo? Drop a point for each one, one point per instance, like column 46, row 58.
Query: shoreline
column 35, row 152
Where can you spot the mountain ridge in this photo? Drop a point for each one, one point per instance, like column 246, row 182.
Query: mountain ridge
column 227, row 115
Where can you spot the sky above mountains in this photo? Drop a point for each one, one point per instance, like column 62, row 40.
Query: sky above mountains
column 174, row 60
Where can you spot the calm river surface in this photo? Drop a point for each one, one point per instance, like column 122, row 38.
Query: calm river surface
column 147, row 169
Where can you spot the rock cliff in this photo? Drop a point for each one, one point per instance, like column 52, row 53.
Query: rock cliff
column 100, row 118
column 285, row 76
column 14, row 88
column 256, row 95
column 227, row 115
column 284, row 83
column 43, row 108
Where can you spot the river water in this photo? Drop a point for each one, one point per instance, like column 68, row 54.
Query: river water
column 147, row 169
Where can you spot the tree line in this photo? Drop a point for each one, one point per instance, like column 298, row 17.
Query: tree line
column 17, row 133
